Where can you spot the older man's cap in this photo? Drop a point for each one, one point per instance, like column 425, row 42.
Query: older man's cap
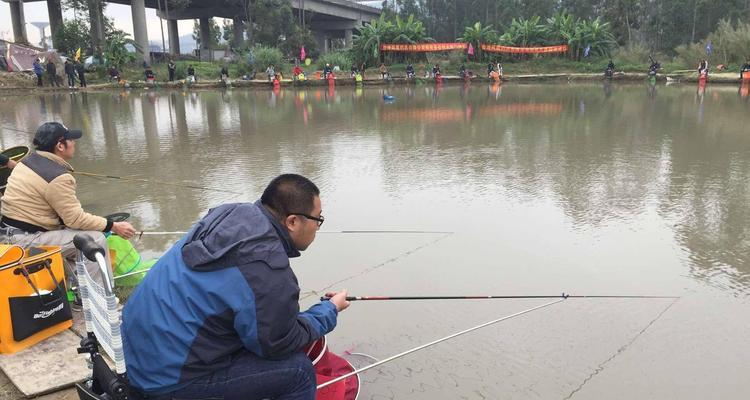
column 50, row 133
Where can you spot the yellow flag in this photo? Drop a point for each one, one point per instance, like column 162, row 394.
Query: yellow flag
column 78, row 55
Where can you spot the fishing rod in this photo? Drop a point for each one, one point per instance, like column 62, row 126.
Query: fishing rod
column 182, row 185
column 434, row 342
column 165, row 233
column 17, row 130
column 563, row 295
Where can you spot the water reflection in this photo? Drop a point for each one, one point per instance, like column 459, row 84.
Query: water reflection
column 678, row 159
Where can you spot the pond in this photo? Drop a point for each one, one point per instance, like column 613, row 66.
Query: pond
column 533, row 189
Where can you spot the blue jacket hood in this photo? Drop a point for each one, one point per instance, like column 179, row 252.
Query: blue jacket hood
column 237, row 234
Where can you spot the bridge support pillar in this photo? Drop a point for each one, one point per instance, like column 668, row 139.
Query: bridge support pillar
column 18, row 21
column 54, row 10
column 174, row 37
column 96, row 21
column 205, row 39
column 322, row 39
column 348, row 33
column 140, row 32
column 239, row 32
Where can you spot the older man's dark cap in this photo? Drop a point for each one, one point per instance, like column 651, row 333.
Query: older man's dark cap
column 50, row 133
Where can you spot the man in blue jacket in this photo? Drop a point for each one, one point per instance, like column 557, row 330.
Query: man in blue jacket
column 218, row 315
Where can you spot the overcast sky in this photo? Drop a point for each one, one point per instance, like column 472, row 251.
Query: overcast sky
column 37, row 11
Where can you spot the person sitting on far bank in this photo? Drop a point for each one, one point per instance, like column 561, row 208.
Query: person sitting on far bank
column 40, row 206
column 610, row 70
column 149, row 74
column 218, row 315
column 435, row 70
column 490, row 68
column 114, row 74
column 327, row 71
column 224, row 74
column 296, row 72
column 354, row 70
column 703, row 67
column 410, row 71
column 191, row 73
column 653, row 67
column 462, row 72
column 383, row 71
column 745, row 68
column 271, row 72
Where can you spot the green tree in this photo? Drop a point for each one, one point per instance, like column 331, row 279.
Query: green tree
column 408, row 31
column 524, row 32
column 115, row 52
column 367, row 40
column 478, row 34
column 597, row 35
column 71, row 35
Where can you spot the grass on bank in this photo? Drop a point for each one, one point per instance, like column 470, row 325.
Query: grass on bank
column 209, row 71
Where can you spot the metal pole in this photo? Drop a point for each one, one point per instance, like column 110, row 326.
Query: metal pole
column 355, row 372
column 161, row 26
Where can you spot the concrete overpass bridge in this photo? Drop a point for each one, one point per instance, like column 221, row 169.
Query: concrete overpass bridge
column 327, row 19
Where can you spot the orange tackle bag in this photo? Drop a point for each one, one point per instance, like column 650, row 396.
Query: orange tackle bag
column 33, row 299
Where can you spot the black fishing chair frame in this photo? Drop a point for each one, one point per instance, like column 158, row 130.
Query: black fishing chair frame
column 104, row 383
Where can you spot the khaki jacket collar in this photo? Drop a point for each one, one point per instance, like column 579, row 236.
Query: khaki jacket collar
column 54, row 157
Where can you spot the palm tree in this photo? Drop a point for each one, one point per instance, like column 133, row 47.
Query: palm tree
column 409, row 31
column 561, row 28
column 366, row 41
column 523, row 32
column 598, row 35
column 476, row 35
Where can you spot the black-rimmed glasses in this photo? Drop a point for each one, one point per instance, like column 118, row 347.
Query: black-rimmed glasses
column 318, row 220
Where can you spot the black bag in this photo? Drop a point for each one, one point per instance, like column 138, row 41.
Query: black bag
column 36, row 312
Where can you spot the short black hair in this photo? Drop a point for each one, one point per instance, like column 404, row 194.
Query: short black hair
column 290, row 193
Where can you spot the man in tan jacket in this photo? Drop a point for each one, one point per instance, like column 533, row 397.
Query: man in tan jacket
column 40, row 206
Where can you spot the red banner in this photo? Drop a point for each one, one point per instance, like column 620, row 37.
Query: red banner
column 495, row 48
column 422, row 47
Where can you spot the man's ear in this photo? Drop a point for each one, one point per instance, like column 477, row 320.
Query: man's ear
column 291, row 222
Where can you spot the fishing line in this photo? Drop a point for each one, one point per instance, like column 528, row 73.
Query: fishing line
column 126, row 178
column 434, row 342
column 182, row 185
column 619, row 351
column 386, row 262
column 17, row 130
column 158, row 233
column 563, row 295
